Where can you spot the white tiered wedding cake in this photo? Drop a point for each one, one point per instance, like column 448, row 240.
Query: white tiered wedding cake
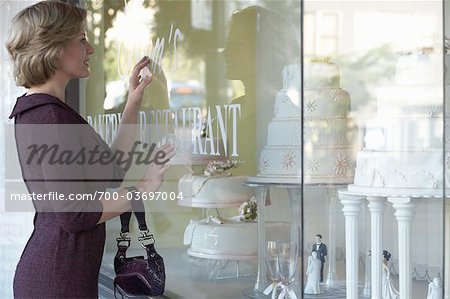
column 403, row 151
column 330, row 135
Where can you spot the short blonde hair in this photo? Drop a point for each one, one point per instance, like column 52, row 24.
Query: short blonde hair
column 38, row 34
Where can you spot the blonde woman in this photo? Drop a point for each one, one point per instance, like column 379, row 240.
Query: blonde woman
column 48, row 47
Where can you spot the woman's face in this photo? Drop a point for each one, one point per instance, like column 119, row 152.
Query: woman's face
column 75, row 57
column 239, row 53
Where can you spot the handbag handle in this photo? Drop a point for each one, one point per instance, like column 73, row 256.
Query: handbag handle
column 138, row 208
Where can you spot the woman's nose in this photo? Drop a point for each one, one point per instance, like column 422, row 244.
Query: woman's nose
column 90, row 49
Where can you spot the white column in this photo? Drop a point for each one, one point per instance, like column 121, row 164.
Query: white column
column 376, row 207
column 261, row 278
column 447, row 249
column 351, row 209
column 332, row 203
column 295, row 195
column 404, row 213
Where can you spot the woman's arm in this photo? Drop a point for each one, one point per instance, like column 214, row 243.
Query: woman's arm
column 151, row 182
column 126, row 131
column 114, row 208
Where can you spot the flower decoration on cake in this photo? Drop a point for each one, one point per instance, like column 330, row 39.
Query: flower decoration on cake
column 321, row 59
column 334, row 94
column 263, row 165
column 289, row 159
column 433, row 111
column 333, row 80
column 311, row 105
column 219, row 167
column 313, row 165
column 248, row 211
column 401, row 175
column 341, row 165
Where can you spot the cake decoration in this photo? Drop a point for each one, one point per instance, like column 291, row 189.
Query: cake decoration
column 289, row 159
column 248, row 210
column 313, row 165
column 311, row 105
column 405, row 137
column 219, row 167
column 341, row 165
column 327, row 128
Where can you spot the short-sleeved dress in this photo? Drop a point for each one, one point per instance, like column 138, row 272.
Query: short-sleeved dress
column 63, row 254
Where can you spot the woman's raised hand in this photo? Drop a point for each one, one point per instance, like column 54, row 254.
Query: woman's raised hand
column 137, row 86
column 154, row 175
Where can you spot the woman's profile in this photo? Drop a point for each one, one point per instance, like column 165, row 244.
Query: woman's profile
column 48, row 47
column 260, row 42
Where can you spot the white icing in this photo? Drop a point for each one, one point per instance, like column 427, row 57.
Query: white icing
column 419, row 69
column 403, row 144
column 234, row 238
column 399, row 169
column 404, row 132
column 213, row 191
column 329, row 134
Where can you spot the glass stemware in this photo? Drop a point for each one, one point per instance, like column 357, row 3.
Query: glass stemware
column 273, row 266
column 287, row 259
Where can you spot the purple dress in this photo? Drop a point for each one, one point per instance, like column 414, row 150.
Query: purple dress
column 63, row 254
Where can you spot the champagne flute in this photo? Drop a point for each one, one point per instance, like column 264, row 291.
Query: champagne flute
column 287, row 259
column 273, row 265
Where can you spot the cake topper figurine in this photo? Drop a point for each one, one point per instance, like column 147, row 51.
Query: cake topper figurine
column 435, row 290
column 388, row 290
column 321, row 250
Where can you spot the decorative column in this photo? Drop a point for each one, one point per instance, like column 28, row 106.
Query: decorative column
column 376, row 207
column 404, row 213
column 332, row 201
column 295, row 194
column 351, row 209
column 261, row 278
column 446, row 277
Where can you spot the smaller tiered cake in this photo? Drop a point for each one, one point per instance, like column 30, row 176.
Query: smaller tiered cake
column 219, row 238
column 231, row 240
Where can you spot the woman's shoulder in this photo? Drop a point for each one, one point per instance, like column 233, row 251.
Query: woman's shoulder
column 43, row 109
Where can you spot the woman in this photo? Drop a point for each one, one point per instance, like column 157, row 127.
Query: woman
column 388, row 289
column 48, row 47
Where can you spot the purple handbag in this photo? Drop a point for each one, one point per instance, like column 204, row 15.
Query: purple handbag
column 137, row 275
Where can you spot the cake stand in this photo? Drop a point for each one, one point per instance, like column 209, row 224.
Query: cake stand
column 294, row 189
column 403, row 202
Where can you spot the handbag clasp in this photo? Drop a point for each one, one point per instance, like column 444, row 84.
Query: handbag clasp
column 146, row 236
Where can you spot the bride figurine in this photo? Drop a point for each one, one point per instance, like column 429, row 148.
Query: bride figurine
column 388, row 289
column 435, row 289
column 313, row 272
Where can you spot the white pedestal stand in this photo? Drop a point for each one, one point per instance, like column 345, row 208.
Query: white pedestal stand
column 447, row 252
column 376, row 207
column 352, row 207
column 403, row 203
column 294, row 192
column 404, row 213
column 332, row 211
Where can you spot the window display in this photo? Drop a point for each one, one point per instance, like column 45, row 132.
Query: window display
column 291, row 120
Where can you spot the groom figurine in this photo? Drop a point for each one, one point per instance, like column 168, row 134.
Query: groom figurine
column 321, row 250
